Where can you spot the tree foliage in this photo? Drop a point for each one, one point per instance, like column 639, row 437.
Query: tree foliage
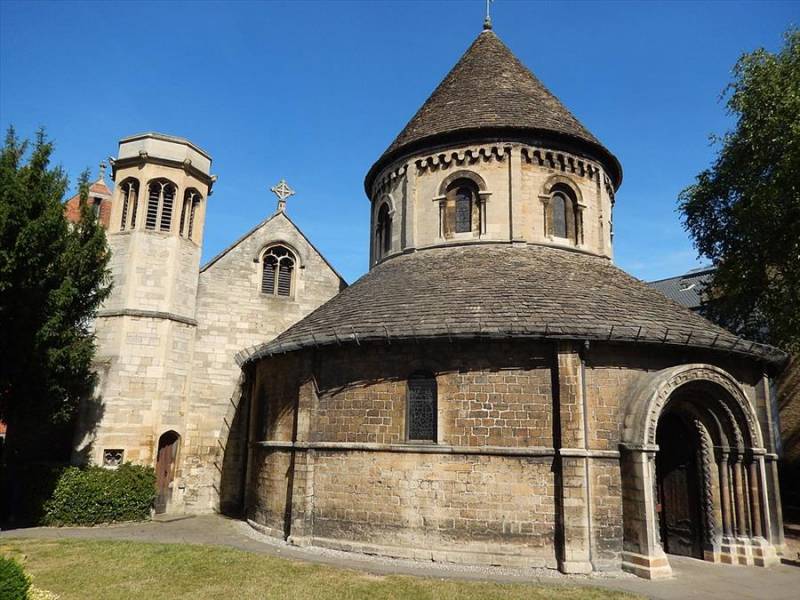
column 53, row 277
column 744, row 211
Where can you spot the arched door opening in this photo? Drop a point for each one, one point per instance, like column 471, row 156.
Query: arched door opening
column 678, row 486
column 695, row 474
column 165, row 469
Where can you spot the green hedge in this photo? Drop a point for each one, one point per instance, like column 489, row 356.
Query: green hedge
column 14, row 583
column 96, row 495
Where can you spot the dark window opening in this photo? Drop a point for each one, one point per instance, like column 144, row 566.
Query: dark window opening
column 559, row 215
column 463, row 210
column 422, row 407
column 383, row 233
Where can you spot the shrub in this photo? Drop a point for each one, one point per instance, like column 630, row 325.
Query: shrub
column 14, row 583
column 96, row 495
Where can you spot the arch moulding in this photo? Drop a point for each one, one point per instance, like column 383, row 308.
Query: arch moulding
column 648, row 401
column 462, row 174
column 263, row 248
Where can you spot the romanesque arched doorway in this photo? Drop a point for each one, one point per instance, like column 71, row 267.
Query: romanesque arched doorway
column 165, row 469
column 694, row 476
column 678, row 487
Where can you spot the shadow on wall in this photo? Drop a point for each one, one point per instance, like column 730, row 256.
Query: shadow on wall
column 788, row 394
column 232, row 454
column 37, row 453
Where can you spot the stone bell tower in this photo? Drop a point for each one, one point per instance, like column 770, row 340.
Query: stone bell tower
column 146, row 329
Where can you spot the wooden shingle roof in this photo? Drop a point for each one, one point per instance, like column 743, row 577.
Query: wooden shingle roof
column 504, row 291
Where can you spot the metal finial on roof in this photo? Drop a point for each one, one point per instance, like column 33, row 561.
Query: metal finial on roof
column 282, row 191
column 487, row 22
column 102, row 176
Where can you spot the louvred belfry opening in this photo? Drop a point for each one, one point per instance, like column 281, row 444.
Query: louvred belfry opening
column 278, row 269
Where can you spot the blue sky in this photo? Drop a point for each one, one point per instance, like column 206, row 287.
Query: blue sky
column 315, row 91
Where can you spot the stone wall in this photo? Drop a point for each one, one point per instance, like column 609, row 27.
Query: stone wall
column 525, row 470
column 516, row 185
column 233, row 314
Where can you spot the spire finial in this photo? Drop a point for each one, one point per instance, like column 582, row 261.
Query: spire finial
column 102, row 176
column 487, row 22
column 282, row 191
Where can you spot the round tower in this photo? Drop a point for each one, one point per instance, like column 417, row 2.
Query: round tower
column 146, row 329
column 492, row 156
column 494, row 390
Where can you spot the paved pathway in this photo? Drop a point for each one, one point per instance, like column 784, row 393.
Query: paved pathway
column 693, row 578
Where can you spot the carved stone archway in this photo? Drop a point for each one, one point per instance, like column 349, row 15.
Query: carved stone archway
column 730, row 458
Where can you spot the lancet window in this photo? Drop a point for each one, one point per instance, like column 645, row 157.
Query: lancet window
column 130, row 203
column 160, row 199
column 191, row 202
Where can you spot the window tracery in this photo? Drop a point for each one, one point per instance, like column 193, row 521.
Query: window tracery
column 277, row 272
column 160, row 198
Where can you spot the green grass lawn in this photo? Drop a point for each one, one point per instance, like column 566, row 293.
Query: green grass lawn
column 78, row 569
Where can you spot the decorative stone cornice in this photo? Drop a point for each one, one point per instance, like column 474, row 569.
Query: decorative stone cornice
column 562, row 161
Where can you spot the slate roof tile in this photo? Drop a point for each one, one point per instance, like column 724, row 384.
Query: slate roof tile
column 482, row 290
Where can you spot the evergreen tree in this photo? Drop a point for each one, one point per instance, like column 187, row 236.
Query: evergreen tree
column 53, row 277
column 744, row 212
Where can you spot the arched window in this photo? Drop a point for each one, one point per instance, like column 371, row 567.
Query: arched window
column 191, row 200
column 277, row 271
column 559, row 203
column 563, row 216
column 383, row 231
column 421, row 403
column 130, row 203
column 160, row 199
column 461, row 208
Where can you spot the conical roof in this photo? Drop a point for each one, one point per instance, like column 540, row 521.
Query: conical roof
column 490, row 91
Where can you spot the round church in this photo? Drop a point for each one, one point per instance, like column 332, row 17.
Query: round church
column 494, row 390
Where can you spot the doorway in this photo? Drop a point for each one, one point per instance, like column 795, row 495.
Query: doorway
column 678, row 487
column 165, row 469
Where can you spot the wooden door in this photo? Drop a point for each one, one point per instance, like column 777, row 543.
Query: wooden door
column 678, row 487
column 165, row 469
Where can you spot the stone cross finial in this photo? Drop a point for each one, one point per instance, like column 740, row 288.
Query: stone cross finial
column 102, row 172
column 282, row 191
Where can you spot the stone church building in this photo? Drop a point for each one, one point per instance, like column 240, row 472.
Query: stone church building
column 494, row 390
column 167, row 336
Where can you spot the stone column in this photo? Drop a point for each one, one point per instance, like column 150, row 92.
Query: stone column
column 409, row 207
column 643, row 554
column 571, row 442
column 744, row 555
column 725, row 492
column 764, row 552
column 514, row 192
column 755, row 504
